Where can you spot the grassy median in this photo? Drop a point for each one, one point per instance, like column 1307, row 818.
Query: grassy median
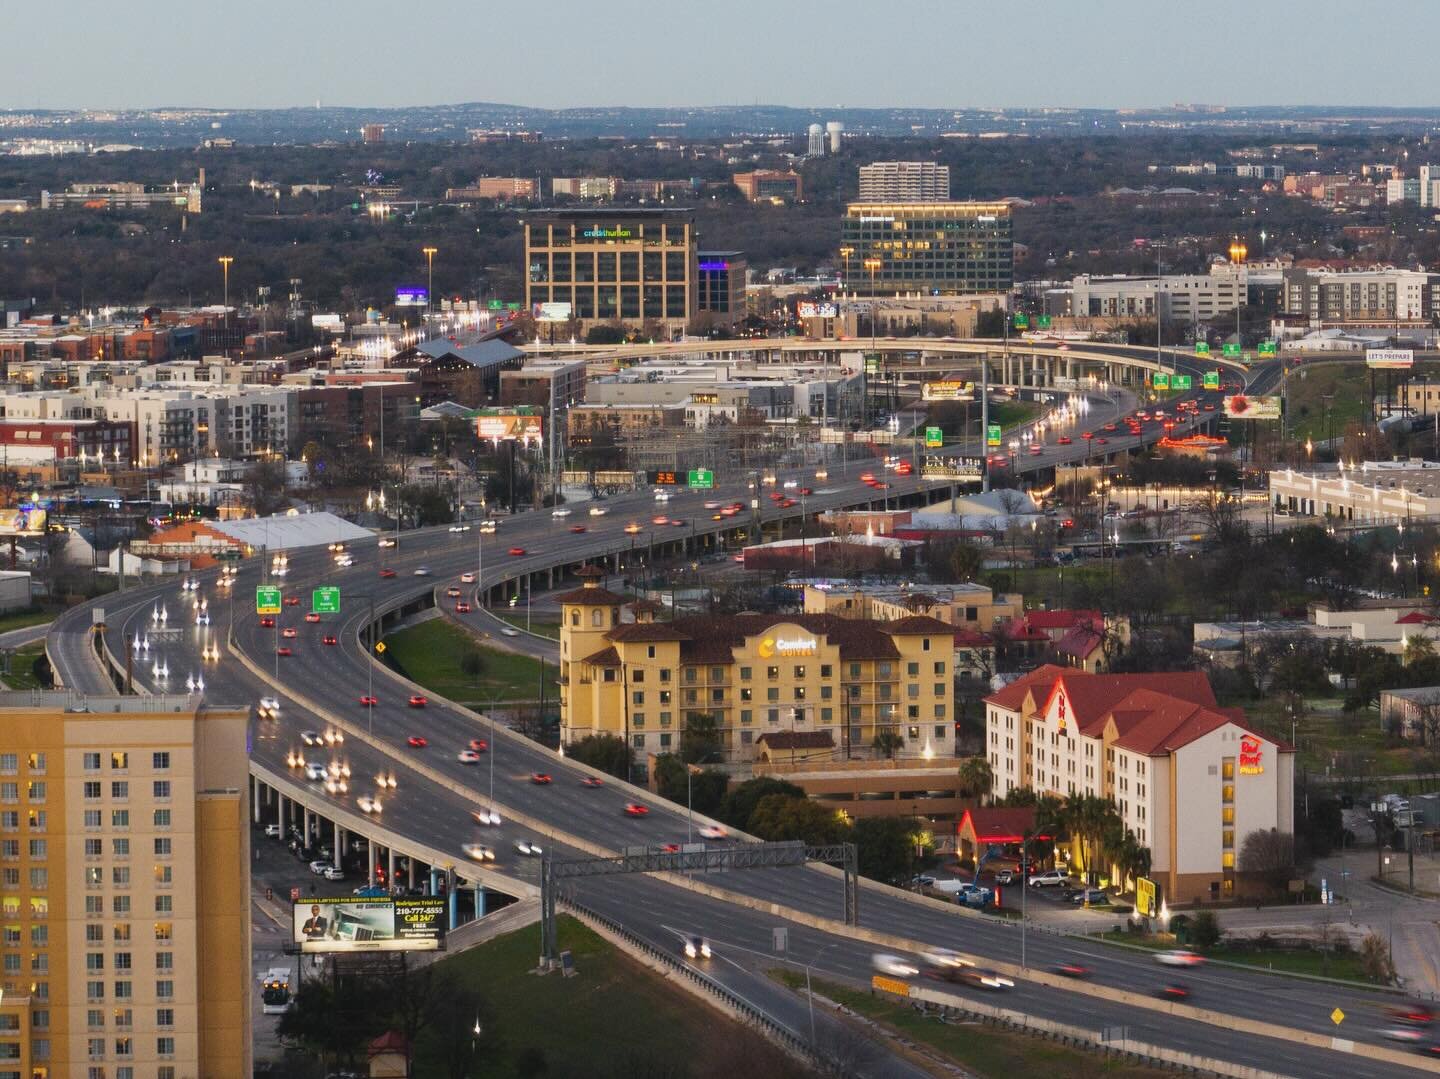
column 447, row 661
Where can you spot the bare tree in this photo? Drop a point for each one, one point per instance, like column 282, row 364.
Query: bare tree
column 1269, row 857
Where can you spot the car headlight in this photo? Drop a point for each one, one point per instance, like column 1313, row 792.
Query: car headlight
column 705, row 950
column 689, row 951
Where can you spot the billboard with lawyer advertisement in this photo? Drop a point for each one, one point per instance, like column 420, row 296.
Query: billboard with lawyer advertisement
column 361, row 924
column 519, row 424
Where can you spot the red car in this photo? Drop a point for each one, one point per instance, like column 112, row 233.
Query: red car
column 330, row 638
column 877, row 485
column 479, row 745
column 416, row 742
column 289, row 633
column 369, row 702
column 1102, row 441
column 284, row 650
column 1063, row 440
column 517, row 551
column 1036, row 451
column 418, row 700
column 312, row 617
column 540, row 779
column 577, row 529
column 1110, row 427
column 462, row 607
column 790, row 502
column 670, row 848
column 292, row 601
column 661, row 520
column 1088, row 435
column 387, row 573
column 806, row 492
column 267, row 622
column 635, row 809
column 867, row 476
column 592, row 781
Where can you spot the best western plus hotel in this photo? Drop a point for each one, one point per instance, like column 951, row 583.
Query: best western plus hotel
column 627, row 265
column 929, row 247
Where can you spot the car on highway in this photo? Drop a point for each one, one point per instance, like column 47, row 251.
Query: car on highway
column 597, row 511
column 269, row 707
column 984, row 978
column 517, row 551
column 284, row 650
column 561, row 512
column 202, row 618
column 368, row 701
column 368, row 804
column 1050, row 878
column 418, row 700
column 577, row 530
column 416, row 741
column 422, row 571
column 468, row 756
column 1179, row 957
column 662, row 496
column 462, row 607
column 696, row 947
column 452, row 591
column 330, row 638
column 479, row 745
column 478, row 852
column 661, row 520
column 713, row 831
column 315, row 772
column 508, row 632
column 894, row 966
column 943, row 963
column 292, row 601
column 312, row 738
column 345, row 561
column 592, row 781
column 267, row 622
column 1036, row 451
column 1414, row 1013
column 488, row 817
column 467, row 578
column 541, row 779
column 635, row 809
column 289, row 633
column 1102, row 441
column 529, row 848
column 387, row 573
column 632, row 528
column 386, row 541
column 312, row 617
column 1063, row 440
column 1173, row 991
column 1068, row 969
column 1088, row 435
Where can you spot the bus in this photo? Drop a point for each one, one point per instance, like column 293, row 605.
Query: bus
column 275, row 996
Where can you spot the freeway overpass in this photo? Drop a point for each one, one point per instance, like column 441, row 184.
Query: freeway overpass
column 427, row 814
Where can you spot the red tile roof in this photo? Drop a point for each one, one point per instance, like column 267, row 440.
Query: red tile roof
column 1154, row 724
column 1414, row 618
column 916, row 625
column 1079, row 642
column 998, row 825
column 705, row 639
column 1092, row 696
column 972, row 638
column 606, row 657
column 590, row 596
column 1040, row 681
column 1062, row 619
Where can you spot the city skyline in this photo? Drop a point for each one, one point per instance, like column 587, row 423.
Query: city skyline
column 1110, row 54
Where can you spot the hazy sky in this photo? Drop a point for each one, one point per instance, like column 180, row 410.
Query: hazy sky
column 949, row 53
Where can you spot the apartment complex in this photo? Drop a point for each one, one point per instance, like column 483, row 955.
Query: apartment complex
column 1181, row 297
column 967, row 606
column 502, row 188
column 1381, row 297
column 842, row 682
column 1190, row 779
column 904, row 181
column 933, row 247
column 633, row 266
column 124, row 888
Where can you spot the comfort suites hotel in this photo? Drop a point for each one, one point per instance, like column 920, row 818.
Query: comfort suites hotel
column 1190, row 779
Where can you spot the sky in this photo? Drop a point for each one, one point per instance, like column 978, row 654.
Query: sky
column 855, row 53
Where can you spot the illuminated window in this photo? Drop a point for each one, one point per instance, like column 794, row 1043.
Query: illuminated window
column 1227, row 859
column 1227, row 794
column 1227, row 769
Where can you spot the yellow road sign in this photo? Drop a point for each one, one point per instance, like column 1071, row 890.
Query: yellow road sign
column 379, row 646
column 1337, row 1017
column 890, row 985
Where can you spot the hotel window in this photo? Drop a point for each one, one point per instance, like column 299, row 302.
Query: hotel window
column 164, row 989
column 38, row 849
column 772, row 673
column 9, row 763
column 912, row 711
column 162, row 846
column 164, row 904
column 120, row 818
column 664, row 674
column 799, row 672
column 1227, row 794
column 773, row 715
column 119, row 788
column 1227, row 815
column 39, row 880
column 121, row 932
column 827, row 715
column 1227, row 839
column 1227, row 769
column 637, row 677
column 95, row 990
column 162, row 818
column 690, row 674
column 164, row 1017
column 165, row 1046
column 854, row 670
column 773, row 693
column 120, row 848
column 637, row 719
column 35, row 820
column 119, row 760
column 9, row 792
column 120, row 876
column 665, row 741
column 161, row 788
column 745, row 716
column 9, row 821
column 745, row 693
column 637, row 697
column 1227, row 859
column 717, row 674
column 36, row 762
column 120, row 904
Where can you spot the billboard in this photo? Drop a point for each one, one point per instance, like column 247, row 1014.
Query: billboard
column 412, row 297
column 509, row 425
column 365, row 924
column 1240, row 407
column 809, row 309
column 1146, row 897
column 550, row 312
column 1390, row 359
column 947, row 390
column 955, row 469
column 28, row 520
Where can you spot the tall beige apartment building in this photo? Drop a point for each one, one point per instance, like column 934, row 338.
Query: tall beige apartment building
column 124, row 888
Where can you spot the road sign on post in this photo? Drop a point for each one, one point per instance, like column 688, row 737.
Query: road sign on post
column 325, row 600
column 1202, row 348
column 1211, row 380
column 267, row 599
column 1231, row 349
column 992, row 435
column 1181, row 382
column 701, row 479
column 934, row 437
column 1160, row 380
column 1267, row 348
column 1022, row 321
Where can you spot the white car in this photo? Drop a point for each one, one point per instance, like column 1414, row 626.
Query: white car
column 319, row 866
column 272, row 831
column 478, row 852
column 488, row 817
column 1179, row 957
column 345, row 561
column 315, row 772
column 269, row 706
column 943, row 959
column 468, row 756
column 662, row 496
column 459, row 528
column 697, row 947
column 561, row 512
column 202, row 618
column 467, row 578
column 386, row 541
column 488, row 528
column 311, row 738
column 422, row 571
column 1051, row 878
column 896, row 966
column 529, row 848
column 713, row 831
column 790, row 485
column 508, row 632
column 597, row 511
column 336, row 785
column 368, row 804
column 331, row 873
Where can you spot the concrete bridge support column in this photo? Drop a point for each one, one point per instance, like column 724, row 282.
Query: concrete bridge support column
column 255, row 789
column 339, row 843
column 369, row 860
column 480, row 897
column 280, row 812
column 410, row 867
column 390, row 867
column 309, row 823
column 434, row 882
column 451, row 899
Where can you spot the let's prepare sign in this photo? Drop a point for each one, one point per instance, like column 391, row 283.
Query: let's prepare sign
column 1390, row 359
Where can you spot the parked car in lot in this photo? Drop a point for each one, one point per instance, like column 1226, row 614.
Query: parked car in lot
column 1093, row 896
column 1051, row 878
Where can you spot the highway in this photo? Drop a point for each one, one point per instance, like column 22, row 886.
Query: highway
column 435, row 794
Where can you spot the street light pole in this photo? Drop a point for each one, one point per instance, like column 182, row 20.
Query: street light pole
column 430, row 277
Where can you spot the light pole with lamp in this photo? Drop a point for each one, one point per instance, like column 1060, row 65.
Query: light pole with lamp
column 430, row 253
column 873, row 266
column 225, row 261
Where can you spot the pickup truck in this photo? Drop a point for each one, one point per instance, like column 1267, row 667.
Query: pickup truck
column 971, row 895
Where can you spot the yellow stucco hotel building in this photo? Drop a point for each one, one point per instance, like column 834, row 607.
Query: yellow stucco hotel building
column 124, row 888
column 844, row 679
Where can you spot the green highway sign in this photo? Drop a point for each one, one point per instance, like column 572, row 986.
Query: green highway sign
column 1181, row 382
column 701, row 479
column 992, row 435
column 1202, row 348
column 1231, row 350
column 934, row 437
column 325, row 600
column 1042, row 322
column 1022, row 321
column 1160, row 380
column 512, row 307
column 496, row 305
column 1211, row 380
column 1267, row 348
column 267, row 599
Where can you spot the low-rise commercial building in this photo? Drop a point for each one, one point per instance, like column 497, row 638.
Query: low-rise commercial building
column 1373, row 492
column 768, row 185
column 1181, row 297
column 874, row 689
column 964, row 606
column 541, row 383
column 1188, row 778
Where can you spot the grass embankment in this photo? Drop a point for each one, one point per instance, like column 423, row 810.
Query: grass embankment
column 433, row 653
column 1013, row 413
column 612, row 1019
column 1348, row 387
column 985, row 1051
column 22, row 667
column 1337, row 964
column 546, row 627
column 33, row 616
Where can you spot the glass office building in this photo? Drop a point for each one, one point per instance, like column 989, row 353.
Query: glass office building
column 935, row 248
column 633, row 266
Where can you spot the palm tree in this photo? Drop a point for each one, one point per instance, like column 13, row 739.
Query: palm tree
column 1088, row 818
column 977, row 778
column 888, row 743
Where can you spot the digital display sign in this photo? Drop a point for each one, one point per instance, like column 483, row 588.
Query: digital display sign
column 665, row 479
column 412, row 297
column 714, row 267
column 808, row 309
column 366, row 924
